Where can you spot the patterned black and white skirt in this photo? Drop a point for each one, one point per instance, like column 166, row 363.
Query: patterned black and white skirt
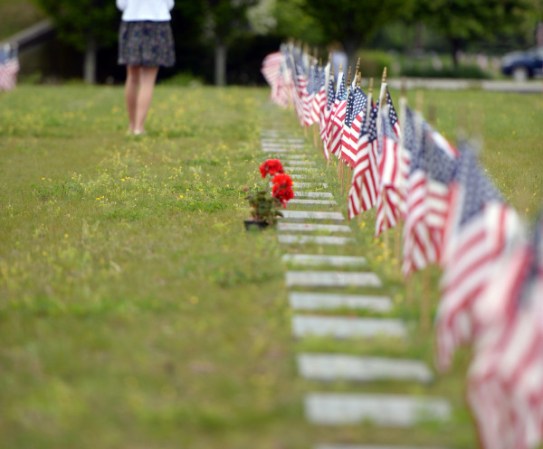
column 146, row 43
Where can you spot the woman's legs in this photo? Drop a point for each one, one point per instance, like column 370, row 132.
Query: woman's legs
column 145, row 95
column 131, row 90
column 140, row 83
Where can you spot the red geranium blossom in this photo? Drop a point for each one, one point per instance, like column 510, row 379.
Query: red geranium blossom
column 282, row 179
column 282, row 188
column 271, row 167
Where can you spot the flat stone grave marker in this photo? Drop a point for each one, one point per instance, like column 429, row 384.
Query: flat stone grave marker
column 330, row 367
column 308, row 185
column 298, row 161
column 302, row 169
column 318, row 259
column 309, row 194
column 288, row 239
column 284, row 140
column 312, row 215
column 313, row 202
column 331, row 279
column 371, row 446
column 381, row 409
column 347, row 327
column 311, row 227
column 274, row 151
column 331, row 301
column 285, row 145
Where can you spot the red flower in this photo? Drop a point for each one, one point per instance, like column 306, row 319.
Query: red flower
column 271, row 167
column 282, row 188
column 282, row 179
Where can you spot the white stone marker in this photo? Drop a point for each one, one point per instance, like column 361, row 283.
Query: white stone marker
column 311, row 227
column 295, row 160
column 381, row 409
column 372, row 446
column 317, row 259
column 331, row 279
column 300, row 177
column 301, row 169
column 288, row 239
column 347, row 327
column 331, row 301
column 310, row 185
column 282, row 146
column 308, row 194
column 311, row 202
column 274, row 151
column 330, row 367
column 312, row 215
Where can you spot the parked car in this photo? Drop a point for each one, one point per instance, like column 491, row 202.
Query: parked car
column 522, row 65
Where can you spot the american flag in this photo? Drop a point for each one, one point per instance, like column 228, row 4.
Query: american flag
column 393, row 169
column 9, row 67
column 274, row 72
column 505, row 387
column 301, row 94
column 477, row 232
column 338, row 117
column 351, row 128
column 312, row 88
column 326, row 116
column 433, row 165
column 319, row 99
column 363, row 191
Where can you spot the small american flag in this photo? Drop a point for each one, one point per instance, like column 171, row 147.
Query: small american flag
column 364, row 185
column 393, row 169
column 319, row 99
column 433, row 165
column 9, row 68
column 351, row 128
column 477, row 232
column 327, row 115
column 505, row 387
column 301, row 97
column 338, row 117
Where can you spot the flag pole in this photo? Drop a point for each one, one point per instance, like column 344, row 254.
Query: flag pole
column 402, row 118
column 426, row 319
column 379, row 123
column 341, row 168
column 368, row 110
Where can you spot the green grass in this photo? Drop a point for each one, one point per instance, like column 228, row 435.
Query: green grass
column 136, row 312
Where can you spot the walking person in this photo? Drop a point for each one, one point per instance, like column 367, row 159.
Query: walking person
column 145, row 44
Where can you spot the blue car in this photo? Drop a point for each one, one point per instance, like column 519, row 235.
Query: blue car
column 522, row 65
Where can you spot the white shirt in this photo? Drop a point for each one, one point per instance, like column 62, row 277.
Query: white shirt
column 152, row 10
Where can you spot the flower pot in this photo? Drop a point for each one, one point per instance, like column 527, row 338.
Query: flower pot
column 255, row 224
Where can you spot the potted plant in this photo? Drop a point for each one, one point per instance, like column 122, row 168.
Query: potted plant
column 265, row 204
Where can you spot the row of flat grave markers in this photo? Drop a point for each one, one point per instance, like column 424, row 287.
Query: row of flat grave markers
column 308, row 282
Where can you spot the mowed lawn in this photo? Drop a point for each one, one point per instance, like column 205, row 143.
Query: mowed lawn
column 136, row 312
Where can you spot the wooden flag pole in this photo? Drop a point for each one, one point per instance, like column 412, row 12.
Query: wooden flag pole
column 341, row 173
column 426, row 315
column 379, row 119
column 402, row 119
column 368, row 109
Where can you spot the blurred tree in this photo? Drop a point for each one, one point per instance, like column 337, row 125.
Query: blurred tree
column 85, row 24
column 354, row 23
column 294, row 22
column 225, row 21
column 188, row 19
column 464, row 21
